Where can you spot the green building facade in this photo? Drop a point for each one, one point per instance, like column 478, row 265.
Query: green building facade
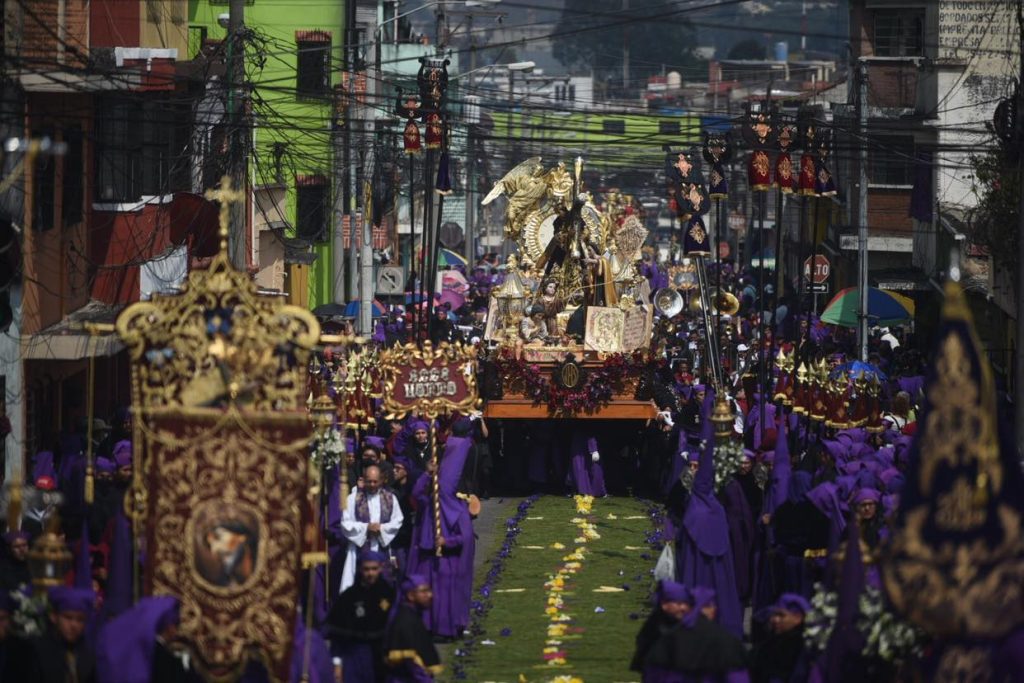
column 294, row 59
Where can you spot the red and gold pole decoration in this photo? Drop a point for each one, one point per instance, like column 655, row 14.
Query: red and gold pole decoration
column 429, row 382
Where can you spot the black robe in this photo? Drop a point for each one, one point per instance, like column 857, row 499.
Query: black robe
column 408, row 646
column 705, row 649
column 49, row 661
column 778, row 657
column 360, row 613
column 657, row 625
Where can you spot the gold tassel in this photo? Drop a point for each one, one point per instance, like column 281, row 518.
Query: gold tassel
column 90, row 486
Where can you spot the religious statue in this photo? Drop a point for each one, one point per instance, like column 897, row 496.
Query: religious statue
column 533, row 329
column 525, row 186
column 552, row 304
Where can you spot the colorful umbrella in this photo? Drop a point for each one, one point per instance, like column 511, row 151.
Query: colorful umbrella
column 448, row 257
column 884, row 308
column 352, row 309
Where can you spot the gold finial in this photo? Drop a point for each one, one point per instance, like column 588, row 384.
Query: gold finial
column 226, row 196
column 579, row 172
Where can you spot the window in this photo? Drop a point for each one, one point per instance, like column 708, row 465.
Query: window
column 73, row 189
column 899, row 33
column 311, row 208
column 43, row 186
column 668, row 127
column 615, row 126
column 142, row 147
column 313, row 64
column 891, row 162
column 572, row 93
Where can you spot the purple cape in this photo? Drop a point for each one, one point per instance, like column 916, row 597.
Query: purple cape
column 703, row 555
column 124, row 648
column 451, row 575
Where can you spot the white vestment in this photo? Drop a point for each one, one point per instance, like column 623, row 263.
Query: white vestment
column 356, row 532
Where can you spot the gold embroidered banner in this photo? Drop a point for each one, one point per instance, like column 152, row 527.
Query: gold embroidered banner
column 221, row 440
column 226, row 530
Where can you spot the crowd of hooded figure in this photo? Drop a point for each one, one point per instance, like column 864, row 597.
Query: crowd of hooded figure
column 377, row 609
column 744, row 556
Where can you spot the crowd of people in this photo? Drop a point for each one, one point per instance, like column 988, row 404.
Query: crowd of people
column 747, row 541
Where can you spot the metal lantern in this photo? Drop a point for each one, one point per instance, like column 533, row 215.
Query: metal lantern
column 511, row 295
column 322, row 413
column 723, row 418
column 49, row 559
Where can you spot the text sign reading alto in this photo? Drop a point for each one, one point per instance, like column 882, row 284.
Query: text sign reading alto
column 430, row 381
column 817, row 269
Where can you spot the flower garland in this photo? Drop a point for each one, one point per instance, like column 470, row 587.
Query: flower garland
column 29, row 617
column 887, row 637
column 328, row 450
column 481, row 606
column 554, row 652
column 596, row 390
column 728, row 460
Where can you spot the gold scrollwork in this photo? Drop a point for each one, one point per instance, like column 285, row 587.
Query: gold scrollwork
column 226, row 529
column 394, row 359
column 955, row 565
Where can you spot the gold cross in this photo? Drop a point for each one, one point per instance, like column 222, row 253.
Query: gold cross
column 226, row 197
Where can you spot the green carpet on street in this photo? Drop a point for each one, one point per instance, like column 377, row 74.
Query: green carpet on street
column 604, row 598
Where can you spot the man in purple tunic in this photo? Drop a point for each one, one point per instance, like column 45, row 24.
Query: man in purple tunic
column 586, row 465
column 703, row 555
column 450, row 574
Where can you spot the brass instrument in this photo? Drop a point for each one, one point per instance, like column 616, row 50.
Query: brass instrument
column 668, row 302
column 723, row 302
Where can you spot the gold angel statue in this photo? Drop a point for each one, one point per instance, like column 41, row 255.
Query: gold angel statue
column 526, row 186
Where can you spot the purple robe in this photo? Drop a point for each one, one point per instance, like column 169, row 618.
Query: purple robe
column 118, row 597
column 741, row 534
column 587, row 474
column 451, row 575
column 703, row 555
column 125, row 646
column 768, row 573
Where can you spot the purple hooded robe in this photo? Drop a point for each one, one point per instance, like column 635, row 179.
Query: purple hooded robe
column 587, row 474
column 703, row 555
column 451, row 575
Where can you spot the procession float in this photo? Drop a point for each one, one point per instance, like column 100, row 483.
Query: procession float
column 570, row 327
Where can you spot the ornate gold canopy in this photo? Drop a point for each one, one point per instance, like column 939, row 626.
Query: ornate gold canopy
column 221, row 441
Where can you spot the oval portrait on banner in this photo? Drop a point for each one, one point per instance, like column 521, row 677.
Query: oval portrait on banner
column 225, row 544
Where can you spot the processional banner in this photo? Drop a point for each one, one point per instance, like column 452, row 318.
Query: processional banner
column 221, row 440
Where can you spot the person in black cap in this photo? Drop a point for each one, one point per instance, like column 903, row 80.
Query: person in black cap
column 357, row 620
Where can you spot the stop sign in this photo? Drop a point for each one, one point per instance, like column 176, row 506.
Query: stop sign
column 817, row 269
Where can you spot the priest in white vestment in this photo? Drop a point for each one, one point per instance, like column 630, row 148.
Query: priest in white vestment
column 371, row 520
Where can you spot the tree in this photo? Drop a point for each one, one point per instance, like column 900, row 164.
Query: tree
column 993, row 223
column 659, row 39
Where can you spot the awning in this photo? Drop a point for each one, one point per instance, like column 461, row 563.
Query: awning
column 44, row 346
column 68, row 339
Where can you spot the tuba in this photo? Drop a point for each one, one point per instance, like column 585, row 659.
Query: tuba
column 668, row 302
column 722, row 302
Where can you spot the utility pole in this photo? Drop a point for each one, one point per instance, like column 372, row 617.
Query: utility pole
column 862, row 207
column 1018, row 400
column 237, row 239
column 625, row 48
